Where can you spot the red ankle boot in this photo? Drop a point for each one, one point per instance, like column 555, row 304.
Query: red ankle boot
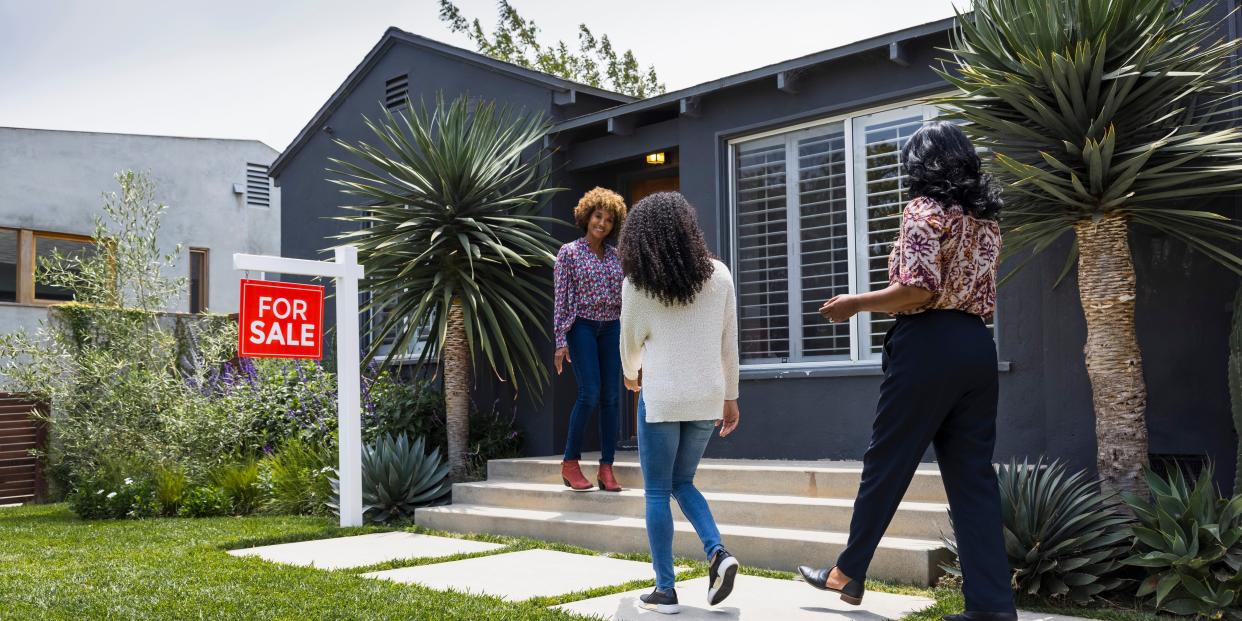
column 571, row 474
column 606, row 480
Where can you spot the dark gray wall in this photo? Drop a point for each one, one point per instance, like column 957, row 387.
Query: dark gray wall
column 1183, row 307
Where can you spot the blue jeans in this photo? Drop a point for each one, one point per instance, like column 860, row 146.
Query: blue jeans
column 595, row 357
column 670, row 454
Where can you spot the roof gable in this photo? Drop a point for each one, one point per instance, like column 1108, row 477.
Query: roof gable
column 396, row 36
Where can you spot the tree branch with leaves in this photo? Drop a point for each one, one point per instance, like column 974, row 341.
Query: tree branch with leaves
column 596, row 63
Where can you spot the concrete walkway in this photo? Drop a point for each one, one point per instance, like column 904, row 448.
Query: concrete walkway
column 518, row 576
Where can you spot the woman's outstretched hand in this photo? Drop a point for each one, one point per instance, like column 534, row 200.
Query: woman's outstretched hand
column 729, row 422
column 562, row 355
column 839, row 308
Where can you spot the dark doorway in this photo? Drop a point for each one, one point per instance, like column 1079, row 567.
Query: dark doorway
column 638, row 188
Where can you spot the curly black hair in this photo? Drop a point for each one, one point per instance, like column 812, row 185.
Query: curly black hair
column 662, row 249
column 942, row 165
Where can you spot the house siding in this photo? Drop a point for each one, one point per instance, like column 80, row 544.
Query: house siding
column 1183, row 308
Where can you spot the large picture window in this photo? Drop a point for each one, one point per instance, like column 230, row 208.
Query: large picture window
column 815, row 211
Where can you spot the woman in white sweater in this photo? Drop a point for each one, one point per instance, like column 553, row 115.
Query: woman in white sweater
column 679, row 334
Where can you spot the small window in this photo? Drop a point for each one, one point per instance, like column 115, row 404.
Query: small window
column 45, row 246
column 198, row 280
column 258, row 185
column 396, row 91
column 8, row 265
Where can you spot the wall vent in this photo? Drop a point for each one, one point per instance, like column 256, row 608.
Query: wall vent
column 396, row 91
column 258, row 186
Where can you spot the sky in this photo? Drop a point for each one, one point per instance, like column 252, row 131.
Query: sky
column 260, row 69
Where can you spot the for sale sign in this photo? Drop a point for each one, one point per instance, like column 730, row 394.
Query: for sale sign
column 280, row 320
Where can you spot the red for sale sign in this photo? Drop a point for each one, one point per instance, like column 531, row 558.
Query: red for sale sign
column 280, row 320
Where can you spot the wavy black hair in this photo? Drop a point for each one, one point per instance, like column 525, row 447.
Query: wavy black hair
column 662, row 249
column 942, row 165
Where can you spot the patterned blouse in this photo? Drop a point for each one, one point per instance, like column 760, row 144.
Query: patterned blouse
column 586, row 286
column 949, row 253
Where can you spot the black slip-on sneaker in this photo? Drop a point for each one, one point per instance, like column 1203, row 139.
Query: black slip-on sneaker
column 663, row 602
column 720, row 577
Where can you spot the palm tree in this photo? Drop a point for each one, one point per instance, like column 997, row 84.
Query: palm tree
column 1103, row 115
column 449, row 232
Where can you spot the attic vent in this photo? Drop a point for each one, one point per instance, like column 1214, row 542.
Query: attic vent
column 258, row 187
column 396, row 90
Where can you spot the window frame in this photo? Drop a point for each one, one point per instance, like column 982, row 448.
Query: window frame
column 30, row 238
column 859, row 354
column 204, row 282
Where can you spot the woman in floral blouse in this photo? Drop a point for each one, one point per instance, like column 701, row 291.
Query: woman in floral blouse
column 586, row 317
column 940, row 382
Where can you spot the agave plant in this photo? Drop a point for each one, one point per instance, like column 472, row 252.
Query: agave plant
column 1102, row 115
column 397, row 477
column 449, row 232
column 1064, row 537
column 1189, row 539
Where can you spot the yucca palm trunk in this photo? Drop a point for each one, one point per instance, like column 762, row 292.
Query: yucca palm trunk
column 1106, row 286
column 457, row 390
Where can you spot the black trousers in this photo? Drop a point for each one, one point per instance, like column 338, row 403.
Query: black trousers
column 940, row 388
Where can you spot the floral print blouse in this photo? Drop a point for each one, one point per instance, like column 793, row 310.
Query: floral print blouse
column 586, row 286
column 949, row 253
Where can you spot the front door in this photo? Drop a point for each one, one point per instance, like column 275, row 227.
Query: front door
column 638, row 190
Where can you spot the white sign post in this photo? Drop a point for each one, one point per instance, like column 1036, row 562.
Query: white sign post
column 346, row 270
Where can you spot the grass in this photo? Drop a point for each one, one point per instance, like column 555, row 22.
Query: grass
column 56, row 566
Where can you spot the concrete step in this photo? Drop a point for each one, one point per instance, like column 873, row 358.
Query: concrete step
column 913, row 561
column 814, row 479
column 914, row 519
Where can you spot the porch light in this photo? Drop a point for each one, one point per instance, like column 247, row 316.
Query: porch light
column 655, row 159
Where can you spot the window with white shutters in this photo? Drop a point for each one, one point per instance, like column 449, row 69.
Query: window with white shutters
column 816, row 209
column 879, row 198
column 762, row 263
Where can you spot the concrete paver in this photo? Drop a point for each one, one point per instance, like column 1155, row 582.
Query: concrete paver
column 518, row 576
column 754, row 599
column 363, row 550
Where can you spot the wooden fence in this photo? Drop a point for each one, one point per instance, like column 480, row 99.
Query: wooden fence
column 21, row 474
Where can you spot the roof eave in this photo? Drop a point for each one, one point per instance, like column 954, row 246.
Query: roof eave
column 761, row 73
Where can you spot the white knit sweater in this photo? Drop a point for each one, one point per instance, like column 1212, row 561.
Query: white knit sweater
column 688, row 354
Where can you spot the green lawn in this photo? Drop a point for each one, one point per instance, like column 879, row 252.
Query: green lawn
column 56, row 566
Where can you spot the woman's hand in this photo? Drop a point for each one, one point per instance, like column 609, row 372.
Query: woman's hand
column 634, row 385
column 729, row 422
column 840, row 308
column 562, row 355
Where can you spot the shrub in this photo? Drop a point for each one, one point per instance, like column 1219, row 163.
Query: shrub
column 240, row 484
column 295, row 478
column 1064, row 538
column 204, row 501
column 106, row 497
column 124, row 377
column 170, row 484
column 398, row 476
column 392, row 408
column 1189, row 540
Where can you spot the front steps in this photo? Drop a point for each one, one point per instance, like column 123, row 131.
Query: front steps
column 772, row 514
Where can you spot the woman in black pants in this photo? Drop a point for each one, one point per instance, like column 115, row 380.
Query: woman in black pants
column 940, row 383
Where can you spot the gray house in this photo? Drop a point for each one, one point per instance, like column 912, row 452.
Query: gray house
column 794, row 171
column 220, row 201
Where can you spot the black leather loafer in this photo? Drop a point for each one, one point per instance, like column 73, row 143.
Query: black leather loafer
column 851, row 593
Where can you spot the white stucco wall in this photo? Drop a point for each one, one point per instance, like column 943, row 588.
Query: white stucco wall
column 54, row 181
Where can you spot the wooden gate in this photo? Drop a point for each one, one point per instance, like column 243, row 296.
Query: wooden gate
column 21, row 474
